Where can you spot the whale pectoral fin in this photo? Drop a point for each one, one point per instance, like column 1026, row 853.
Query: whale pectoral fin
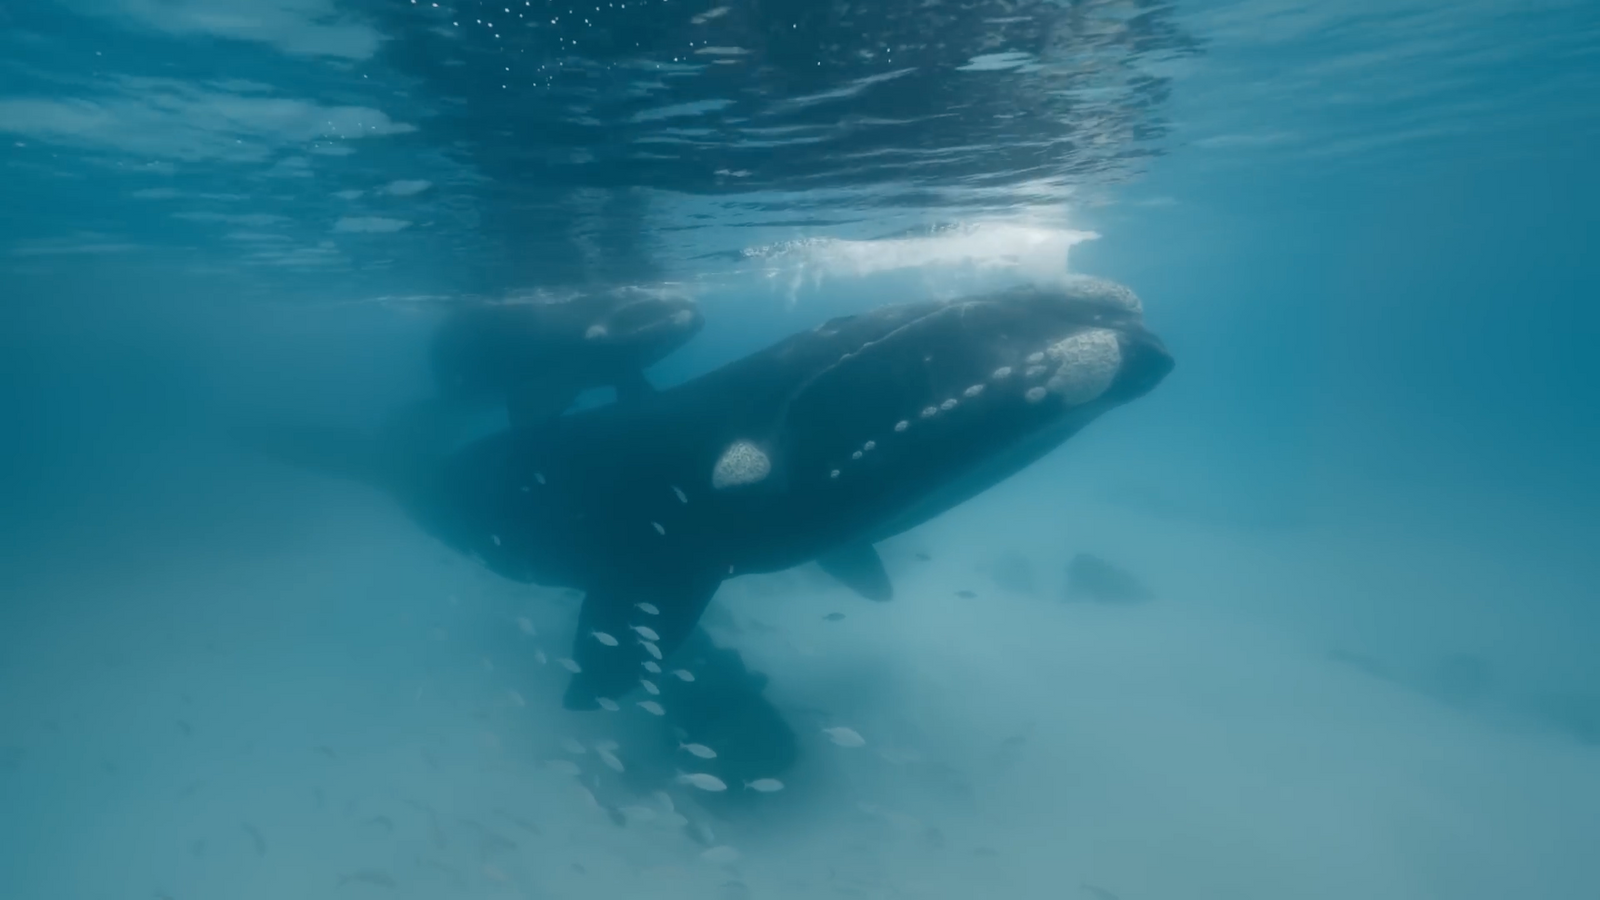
column 611, row 668
column 537, row 401
column 859, row 568
column 632, row 386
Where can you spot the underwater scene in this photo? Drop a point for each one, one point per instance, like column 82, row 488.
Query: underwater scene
column 789, row 449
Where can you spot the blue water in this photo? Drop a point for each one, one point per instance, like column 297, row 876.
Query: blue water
column 1364, row 503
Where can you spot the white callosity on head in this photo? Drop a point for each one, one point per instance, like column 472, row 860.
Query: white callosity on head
column 1106, row 292
column 1089, row 361
column 742, row 463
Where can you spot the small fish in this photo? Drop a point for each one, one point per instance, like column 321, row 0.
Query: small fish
column 562, row 766
column 369, row 876
column 845, row 737
column 923, row 556
column 495, row 538
column 652, row 707
column 609, row 758
column 185, row 728
column 607, row 704
column 665, row 799
column 682, row 497
column 965, row 595
column 604, row 638
column 539, row 657
column 257, row 839
column 384, row 822
column 646, row 632
column 525, row 624
column 683, row 674
column 833, row 616
column 702, row 781
column 524, row 824
column 650, row 687
column 764, row 785
column 571, row 745
column 658, row 528
column 651, row 667
column 515, row 699
column 571, row 665
column 327, row 751
column 496, row 843
column 539, row 477
column 648, row 609
column 720, row 855
column 495, row 875
column 652, row 649
column 700, row 750
column 1096, row 891
column 606, row 744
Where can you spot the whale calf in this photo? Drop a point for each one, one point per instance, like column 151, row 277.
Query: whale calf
column 814, row 448
column 536, row 356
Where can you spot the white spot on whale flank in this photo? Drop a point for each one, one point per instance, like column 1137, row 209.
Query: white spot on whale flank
column 1002, row 373
column 869, row 445
column 595, row 332
column 539, row 477
column 973, row 391
column 834, row 474
column 856, row 455
column 1034, row 371
column 1035, row 358
column 682, row 497
column 901, row 425
column 658, row 527
column 1035, row 394
column 1089, row 363
column 742, row 463
column 948, row 404
column 929, row 412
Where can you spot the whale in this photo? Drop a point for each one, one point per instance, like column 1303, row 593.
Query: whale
column 815, row 448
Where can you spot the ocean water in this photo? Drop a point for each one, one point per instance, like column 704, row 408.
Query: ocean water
column 1359, row 517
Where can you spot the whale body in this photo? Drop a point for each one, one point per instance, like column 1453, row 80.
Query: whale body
column 812, row 449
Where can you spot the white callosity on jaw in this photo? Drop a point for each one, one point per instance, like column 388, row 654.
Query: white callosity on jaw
column 1088, row 363
column 742, row 463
